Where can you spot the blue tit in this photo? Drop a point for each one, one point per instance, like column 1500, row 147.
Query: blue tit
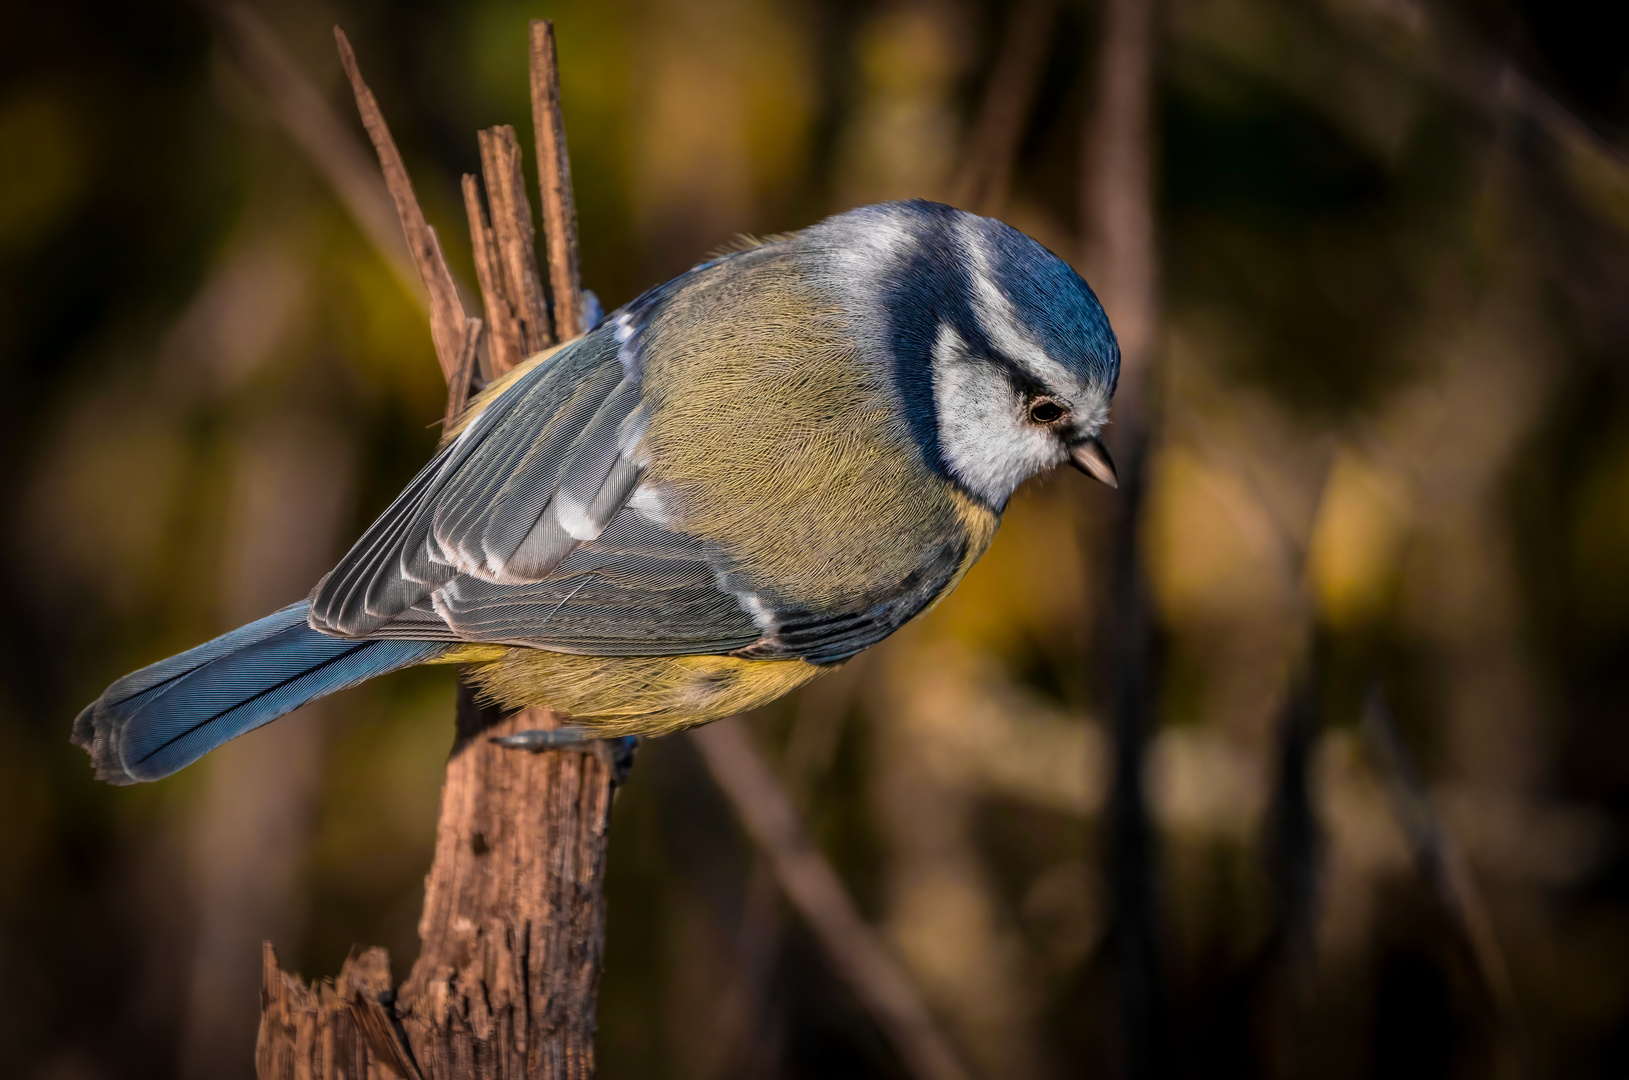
column 735, row 483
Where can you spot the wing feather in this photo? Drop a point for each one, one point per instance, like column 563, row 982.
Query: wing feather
column 431, row 531
column 520, row 532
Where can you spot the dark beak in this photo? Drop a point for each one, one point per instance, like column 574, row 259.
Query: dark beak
column 1092, row 458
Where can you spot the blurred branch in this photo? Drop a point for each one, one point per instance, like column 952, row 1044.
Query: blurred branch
column 1118, row 214
column 1443, row 865
column 1117, row 191
column 328, row 143
column 1429, row 41
column 815, row 890
column 1294, row 838
column 992, row 148
column 810, row 747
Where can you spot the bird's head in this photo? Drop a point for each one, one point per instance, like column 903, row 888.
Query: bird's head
column 1003, row 357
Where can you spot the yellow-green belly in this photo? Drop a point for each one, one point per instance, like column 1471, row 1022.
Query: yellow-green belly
column 630, row 695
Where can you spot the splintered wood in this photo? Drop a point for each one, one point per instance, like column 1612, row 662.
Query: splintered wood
column 554, row 182
column 514, row 912
column 504, row 348
column 335, row 1028
column 513, row 928
column 464, row 372
column 511, row 217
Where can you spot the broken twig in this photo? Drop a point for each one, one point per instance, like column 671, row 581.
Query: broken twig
column 554, row 183
column 446, row 310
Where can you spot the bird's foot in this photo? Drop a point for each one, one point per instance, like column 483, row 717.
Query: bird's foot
column 539, row 740
column 617, row 753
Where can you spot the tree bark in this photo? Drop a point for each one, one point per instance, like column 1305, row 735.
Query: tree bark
column 513, row 929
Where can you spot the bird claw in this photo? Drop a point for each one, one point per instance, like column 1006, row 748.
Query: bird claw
column 537, row 741
column 617, row 753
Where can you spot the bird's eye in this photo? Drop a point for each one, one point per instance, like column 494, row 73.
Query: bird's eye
column 1045, row 412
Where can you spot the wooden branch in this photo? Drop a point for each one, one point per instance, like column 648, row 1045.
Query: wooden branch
column 554, row 183
column 507, row 979
column 446, row 310
column 513, row 233
column 504, row 339
column 513, row 927
column 816, row 891
column 335, row 1027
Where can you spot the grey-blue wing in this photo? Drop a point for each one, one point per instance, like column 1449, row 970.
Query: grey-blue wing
column 520, row 532
column 635, row 590
column 830, row 636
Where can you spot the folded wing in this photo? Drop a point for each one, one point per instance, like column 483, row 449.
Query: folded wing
column 520, row 532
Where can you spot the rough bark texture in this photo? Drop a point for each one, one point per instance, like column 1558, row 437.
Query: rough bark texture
column 514, row 911
column 554, row 182
column 512, row 933
column 512, row 230
column 333, row 1028
column 513, row 928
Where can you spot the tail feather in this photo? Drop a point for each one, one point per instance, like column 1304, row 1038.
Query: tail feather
column 166, row 716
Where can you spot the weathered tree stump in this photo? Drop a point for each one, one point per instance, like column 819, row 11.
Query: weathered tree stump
column 513, row 929
column 512, row 932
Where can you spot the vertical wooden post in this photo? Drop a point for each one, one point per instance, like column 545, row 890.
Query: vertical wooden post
column 513, row 928
column 554, row 182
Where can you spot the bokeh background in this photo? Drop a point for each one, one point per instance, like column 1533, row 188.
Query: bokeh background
column 1392, row 375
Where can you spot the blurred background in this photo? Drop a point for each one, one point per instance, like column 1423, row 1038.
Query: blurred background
column 1389, row 359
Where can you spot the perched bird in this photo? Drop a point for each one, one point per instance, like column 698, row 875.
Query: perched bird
column 734, row 483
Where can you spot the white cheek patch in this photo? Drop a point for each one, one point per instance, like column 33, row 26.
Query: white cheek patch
column 982, row 432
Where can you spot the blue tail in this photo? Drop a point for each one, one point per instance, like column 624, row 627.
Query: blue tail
column 168, row 715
